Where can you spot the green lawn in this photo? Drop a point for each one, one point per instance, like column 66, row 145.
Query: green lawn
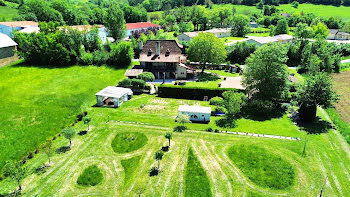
column 230, row 39
column 345, row 57
column 259, row 34
column 37, row 103
column 128, row 142
column 7, row 13
column 130, row 167
column 223, row 73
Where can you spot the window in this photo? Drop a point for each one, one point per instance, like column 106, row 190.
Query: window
column 194, row 116
column 167, row 53
column 149, row 52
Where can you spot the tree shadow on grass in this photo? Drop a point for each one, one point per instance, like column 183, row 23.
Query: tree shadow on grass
column 81, row 133
column 317, row 127
column 62, row 149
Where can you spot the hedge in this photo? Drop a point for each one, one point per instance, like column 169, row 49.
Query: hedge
column 191, row 93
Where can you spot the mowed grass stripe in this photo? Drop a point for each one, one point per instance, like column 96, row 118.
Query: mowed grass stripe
column 196, row 180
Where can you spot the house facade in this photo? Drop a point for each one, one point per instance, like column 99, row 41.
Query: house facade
column 218, row 32
column 8, row 28
column 165, row 59
column 113, row 96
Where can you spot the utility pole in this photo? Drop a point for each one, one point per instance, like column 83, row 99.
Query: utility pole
column 321, row 193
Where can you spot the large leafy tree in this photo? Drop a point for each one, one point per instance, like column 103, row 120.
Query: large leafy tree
column 16, row 171
column 315, row 91
column 114, row 22
column 265, row 76
column 239, row 52
column 320, row 31
column 303, row 31
column 233, row 103
column 240, row 26
column 206, row 48
column 281, row 27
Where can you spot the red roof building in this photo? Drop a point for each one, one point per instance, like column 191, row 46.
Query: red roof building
column 142, row 25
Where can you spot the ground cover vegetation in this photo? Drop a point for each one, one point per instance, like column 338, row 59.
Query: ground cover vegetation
column 128, row 142
column 91, row 176
column 224, row 176
column 47, row 101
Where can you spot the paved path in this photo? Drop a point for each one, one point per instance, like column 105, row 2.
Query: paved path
column 345, row 61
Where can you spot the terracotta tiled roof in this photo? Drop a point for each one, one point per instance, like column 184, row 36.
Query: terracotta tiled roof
column 19, row 23
column 170, row 51
column 131, row 26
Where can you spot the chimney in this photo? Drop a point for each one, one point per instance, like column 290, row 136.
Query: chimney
column 157, row 48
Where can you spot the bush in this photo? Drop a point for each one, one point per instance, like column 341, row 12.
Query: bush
column 220, row 109
column 180, row 128
column 216, row 131
column 209, row 129
column 207, row 77
column 30, row 155
column 262, row 108
column 2, row 3
column 154, row 171
column 90, row 177
column 146, row 76
column 125, row 83
column 138, row 83
column 121, row 54
column 219, row 101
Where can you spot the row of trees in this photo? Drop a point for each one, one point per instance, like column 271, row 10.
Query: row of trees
column 76, row 12
column 61, row 46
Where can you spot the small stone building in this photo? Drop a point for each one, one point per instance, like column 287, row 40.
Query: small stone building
column 113, row 96
column 7, row 46
column 196, row 113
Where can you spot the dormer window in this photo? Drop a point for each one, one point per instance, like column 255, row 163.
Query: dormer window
column 149, row 52
column 167, row 53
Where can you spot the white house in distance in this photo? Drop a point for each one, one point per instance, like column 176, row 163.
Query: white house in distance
column 131, row 27
column 196, row 113
column 335, row 34
column 113, row 96
column 218, row 32
column 8, row 27
column 283, row 38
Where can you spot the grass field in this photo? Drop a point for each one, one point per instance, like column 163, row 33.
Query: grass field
column 7, row 13
column 223, row 73
column 327, row 156
column 37, row 103
column 342, row 86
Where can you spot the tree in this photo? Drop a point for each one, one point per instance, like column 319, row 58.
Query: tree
column 69, row 133
column 320, row 31
column 281, row 27
column 315, row 91
column 240, row 26
column 159, row 156
column 303, row 31
column 207, row 48
column 48, row 149
column 265, row 76
column 114, row 22
column 239, row 52
column 146, row 76
column 346, row 27
column 182, row 119
column 16, row 171
column 233, row 102
column 168, row 135
column 87, row 121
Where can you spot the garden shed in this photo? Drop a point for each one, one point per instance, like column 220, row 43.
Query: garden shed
column 113, row 96
column 196, row 113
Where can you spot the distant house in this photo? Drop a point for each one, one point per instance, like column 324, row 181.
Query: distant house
column 102, row 32
column 8, row 27
column 285, row 15
column 7, row 46
column 113, row 96
column 253, row 25
column 218, row 32
column 195, row 113
column 132, row 27
column 165, row 59
column 133, row 73
column 283, row 38
column 187, row 36
column 335, row 34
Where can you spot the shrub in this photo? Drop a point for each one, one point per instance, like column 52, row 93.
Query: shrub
column 154, row 171
column 208, row 77
column 146, row 76
column 90, row 177
column 125, row 83
column 30, row 155
column 220, row 109
column 121, row 54
column 216, row 130
column 2, row 3
column 219, row 101
column 209, row 129
column 138, row 83
column 180, row 128
column 86, row 58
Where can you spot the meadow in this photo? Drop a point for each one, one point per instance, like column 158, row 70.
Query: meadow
column 7, row 13
column 37, row 103
column 192, row 153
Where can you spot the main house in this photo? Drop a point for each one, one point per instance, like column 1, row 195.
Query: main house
column 165, row 59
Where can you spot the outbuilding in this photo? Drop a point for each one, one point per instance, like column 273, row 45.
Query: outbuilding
column 7, row 46
column 113, row 96
column 196, row 113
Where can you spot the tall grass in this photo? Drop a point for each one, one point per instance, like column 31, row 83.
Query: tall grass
column 196, row 180
column 91, row 176
column 128, row 142
column 261, row 167
column 130, row 166
column 341, row 125
column 37, row 103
